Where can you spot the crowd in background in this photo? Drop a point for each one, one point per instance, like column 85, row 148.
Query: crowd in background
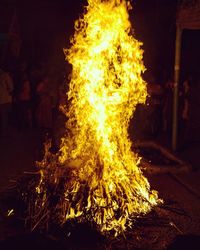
column 156, row 117
column 30, row 99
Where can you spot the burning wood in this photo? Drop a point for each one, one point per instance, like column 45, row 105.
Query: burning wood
column 95, row 173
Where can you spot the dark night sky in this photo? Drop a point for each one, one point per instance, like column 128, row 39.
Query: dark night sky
column 46, row 27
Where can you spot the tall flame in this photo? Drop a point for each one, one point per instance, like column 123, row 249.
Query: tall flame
column 106, row 184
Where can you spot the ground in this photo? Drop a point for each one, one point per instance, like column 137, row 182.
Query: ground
column 170, row 226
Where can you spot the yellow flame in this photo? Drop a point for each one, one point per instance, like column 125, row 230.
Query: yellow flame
column 106, row 184
column 10, row 212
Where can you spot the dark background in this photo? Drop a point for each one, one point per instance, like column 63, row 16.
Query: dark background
column 45, row 27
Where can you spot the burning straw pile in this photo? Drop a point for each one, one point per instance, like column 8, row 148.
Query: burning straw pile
column 95, row 177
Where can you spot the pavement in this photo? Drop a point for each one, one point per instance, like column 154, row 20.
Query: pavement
column 19, row 151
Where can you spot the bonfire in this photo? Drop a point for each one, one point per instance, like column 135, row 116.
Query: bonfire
column 95, row 177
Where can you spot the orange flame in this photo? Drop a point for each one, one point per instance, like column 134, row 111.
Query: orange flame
column 106, row 184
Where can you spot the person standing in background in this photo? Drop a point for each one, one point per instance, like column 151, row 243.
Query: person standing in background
column 44, row 105
column 43, row 114
column 24, row 108
column 6, row 90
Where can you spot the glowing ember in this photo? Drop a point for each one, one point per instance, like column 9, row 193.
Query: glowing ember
column 104, row 182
